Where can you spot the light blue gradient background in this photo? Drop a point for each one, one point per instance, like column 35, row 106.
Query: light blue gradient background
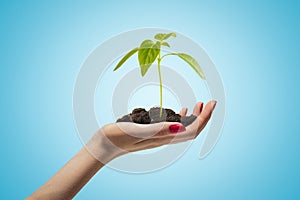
column 255, row 46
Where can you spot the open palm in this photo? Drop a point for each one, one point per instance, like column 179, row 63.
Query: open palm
column 123, row 137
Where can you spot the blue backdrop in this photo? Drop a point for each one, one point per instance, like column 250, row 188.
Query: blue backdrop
column 255, row 46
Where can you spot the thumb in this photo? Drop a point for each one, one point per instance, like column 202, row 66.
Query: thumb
column 161, row 129
column 150, row 130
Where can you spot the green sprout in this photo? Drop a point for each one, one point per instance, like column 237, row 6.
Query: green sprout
column 149, row 51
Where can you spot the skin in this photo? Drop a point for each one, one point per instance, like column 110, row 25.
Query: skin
column 114, row 140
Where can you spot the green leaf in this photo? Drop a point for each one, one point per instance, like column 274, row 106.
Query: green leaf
column 165, row 44
column 147, row 54
column 191, row 61
column 130, row 53
column 164, row 36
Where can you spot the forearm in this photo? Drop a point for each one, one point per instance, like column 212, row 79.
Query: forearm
column 67, row 182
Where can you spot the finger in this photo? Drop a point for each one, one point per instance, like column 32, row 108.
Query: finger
column 145, row 131
column 154, row 135
column 206, row 113
column 193, row 130
column 203, row 118
column 165, row 128
column 183, row 112
column 198, row 108
column 162, row 134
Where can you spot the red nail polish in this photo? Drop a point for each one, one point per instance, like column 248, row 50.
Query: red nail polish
column 176, row 128
column 201, row 107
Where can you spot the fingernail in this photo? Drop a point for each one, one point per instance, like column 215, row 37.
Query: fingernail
column 214, row 105
column 201, row 107
column 176, row 128
column 185, row 110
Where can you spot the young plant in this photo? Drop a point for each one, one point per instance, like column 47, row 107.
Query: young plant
column 149, row 51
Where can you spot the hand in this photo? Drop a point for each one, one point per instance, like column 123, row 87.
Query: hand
column 114, row 140
column 117, row 139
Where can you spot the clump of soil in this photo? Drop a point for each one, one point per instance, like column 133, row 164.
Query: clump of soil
column 141, row 116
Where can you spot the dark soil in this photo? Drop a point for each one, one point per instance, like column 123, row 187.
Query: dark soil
column 141, row 116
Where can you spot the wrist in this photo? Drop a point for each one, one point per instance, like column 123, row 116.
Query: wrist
column 101, row 148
